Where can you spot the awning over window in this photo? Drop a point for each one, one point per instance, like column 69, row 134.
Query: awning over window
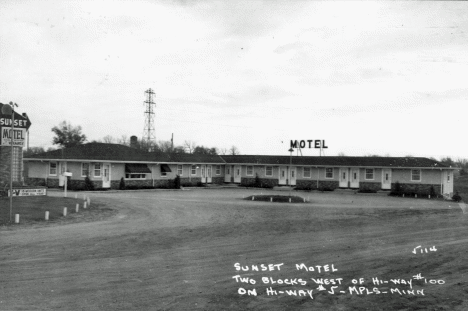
column 165, row 168
column 136, row 168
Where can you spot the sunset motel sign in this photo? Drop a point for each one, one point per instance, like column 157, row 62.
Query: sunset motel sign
column 15, row 133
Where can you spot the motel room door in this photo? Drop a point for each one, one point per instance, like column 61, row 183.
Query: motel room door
column 387, row 178
column 106, row 175
column 208, row 174
column 344, row 178
column 282, row 175
column 203, row 173
column 237, row 173
column 227, row 174
column 292, row 177
column 354, row 177
column 447, row 184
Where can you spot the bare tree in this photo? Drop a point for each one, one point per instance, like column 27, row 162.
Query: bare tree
column 189, row 146
column 234, row 151
column 108, row 139
column 164, row 146
column 124, row 140
column 223, row 151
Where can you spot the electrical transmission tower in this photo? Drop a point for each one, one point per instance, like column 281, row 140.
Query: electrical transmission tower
column 149, row 135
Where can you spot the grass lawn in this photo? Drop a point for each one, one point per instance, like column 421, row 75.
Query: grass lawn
column 32, row 209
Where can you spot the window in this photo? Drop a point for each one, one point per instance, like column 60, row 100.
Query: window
column 328, row 172
column 415, row 175
column 249, row 170
column 369, row 173
column 269, row 171
column 53, row 168
column 135, row 176
column 306, row 172
column 218, row 169
column 194, row 170
column 84, row 169
column 97, row 170
column 448, row 176
column 179, row 170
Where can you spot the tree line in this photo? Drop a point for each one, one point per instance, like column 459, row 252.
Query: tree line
column 67, row 135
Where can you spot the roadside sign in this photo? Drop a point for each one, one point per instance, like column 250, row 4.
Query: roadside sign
column 18, row 135
column 28, row 192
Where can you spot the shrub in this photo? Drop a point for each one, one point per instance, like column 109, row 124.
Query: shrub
column 257, row 182
column 456, row 197
column 397, row 191
column 432, row 192
column 122, row 184
column 177, row 182
column 187, row 184
column 88, row 184
column 200, row 184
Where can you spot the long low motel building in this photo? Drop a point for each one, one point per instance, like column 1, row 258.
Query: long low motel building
column 107, row 164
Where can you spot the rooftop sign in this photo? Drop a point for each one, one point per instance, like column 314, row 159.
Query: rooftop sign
column 310, row 143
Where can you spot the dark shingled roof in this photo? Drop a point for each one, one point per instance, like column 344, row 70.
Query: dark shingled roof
column 95, row 151
column 334, row 161
column 115, row 152
column 121, row 153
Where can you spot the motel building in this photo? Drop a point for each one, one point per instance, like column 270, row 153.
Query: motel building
column 107, row 164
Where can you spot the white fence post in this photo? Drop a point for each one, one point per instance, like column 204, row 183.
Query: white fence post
column 16, row 218
column 77, row 207
column 47, row 215
column 64, row 211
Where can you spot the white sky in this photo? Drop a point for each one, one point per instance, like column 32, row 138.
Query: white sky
column 381, row 77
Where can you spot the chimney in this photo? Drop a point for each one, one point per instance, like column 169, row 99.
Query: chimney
column 133, row 142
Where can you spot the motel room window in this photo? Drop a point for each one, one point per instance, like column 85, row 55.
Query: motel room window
column 249, row 170
column 84, row 169
column 269, row 171
column 218, row 169
column 448, row 176
column 415, row 175
column 135, row 176
column 369, row 173
column 97, row 170
column 194, row 170
column 306, row 172
column 179, row 170
column 53, row 168
column 328, row 172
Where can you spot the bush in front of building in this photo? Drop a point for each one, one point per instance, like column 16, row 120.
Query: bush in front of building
column 456, row 197
column 89, row 186
column 432, row 192
column 122, row 184
column 177, row 182
column 325, row 188
column 396, row 190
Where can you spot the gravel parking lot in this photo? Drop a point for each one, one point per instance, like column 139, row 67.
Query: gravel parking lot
column 178, row 250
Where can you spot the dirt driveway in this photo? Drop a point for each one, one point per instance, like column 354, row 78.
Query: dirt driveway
column 177, row 250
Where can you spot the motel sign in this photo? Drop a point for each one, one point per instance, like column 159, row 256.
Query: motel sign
column 310, row 143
